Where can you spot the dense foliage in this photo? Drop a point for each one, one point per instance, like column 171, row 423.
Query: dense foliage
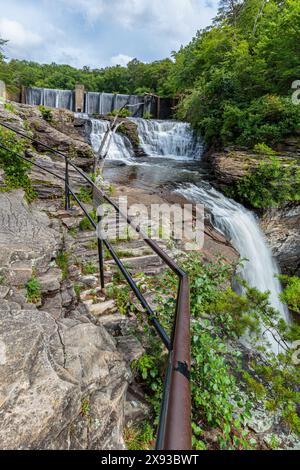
column 291, row 293
column 136, row 78
column 271, row 184
column 239, row 73
column 228, row 384
column 15, row 169
column 234, row 78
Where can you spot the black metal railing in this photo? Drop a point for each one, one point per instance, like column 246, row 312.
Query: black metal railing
column 174, row 432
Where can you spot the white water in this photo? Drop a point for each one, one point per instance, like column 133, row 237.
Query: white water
column 119, row 147
column 175, row 140
column 241, row 227
column 95, row 103
column 50, row 97
column 168, row 139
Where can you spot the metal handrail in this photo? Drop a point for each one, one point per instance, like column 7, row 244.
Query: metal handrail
column 174, row 432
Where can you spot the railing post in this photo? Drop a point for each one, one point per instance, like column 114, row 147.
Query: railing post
column 178, row 431
column 67, row 192
column 100, row 246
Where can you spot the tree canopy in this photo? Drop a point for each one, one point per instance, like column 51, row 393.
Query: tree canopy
column 233, row 79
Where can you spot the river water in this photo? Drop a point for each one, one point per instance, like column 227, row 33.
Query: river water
column 173, row 163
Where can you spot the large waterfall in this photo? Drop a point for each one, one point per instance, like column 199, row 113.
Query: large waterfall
column 173, row 142
column 240, row 226
column 170, row 139
column 95, row 103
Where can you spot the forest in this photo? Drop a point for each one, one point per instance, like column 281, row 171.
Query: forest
column 238, row 84
column 234, row 79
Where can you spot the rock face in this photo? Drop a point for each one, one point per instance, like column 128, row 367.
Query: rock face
column 27, row 240
column 62, row 384
column 281, row 227
column 229, row 167
column 61, row 132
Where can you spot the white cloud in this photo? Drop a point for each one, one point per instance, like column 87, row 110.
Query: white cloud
column 121, row 59
column 177, row 18
column 18, row 35
column 91, row 9
column 92, row 32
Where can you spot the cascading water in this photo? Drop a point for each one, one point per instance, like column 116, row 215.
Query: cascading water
column 119, row 147
column 95, row 102
column 240, row 226
column 169, row 139
column 50, row 97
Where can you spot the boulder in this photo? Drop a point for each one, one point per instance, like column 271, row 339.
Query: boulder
column 63, row 383
column 281, row 227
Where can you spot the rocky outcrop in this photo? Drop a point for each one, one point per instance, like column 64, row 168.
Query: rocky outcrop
column 28, row 239
column 281, row 227
column 59, row 131
column 230, row 166
column 63, row 381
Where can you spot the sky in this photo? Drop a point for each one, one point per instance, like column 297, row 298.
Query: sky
column 100, row 33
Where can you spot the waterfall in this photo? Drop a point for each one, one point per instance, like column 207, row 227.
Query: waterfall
column 104, row 103
column 175, row 140
column 95, row 103
column 50, row 97
column 170, row 139
column 120, row 147
column 241, row 228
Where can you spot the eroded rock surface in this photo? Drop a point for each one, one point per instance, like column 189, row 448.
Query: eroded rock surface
column 63, row 384
column 282, row 228
column 63, row 381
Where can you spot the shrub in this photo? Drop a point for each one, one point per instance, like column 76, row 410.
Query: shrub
column 122, row 113
column 271, row 184
column 33, row 288
column 291, row 292
column 139, row 437
column 46, row 113
column 86, row 194
column 147, row 115
column 269, row 119
column 62, row 260
column 85, row 223
column 89, row 268
column 16, row 169
column 9, row 107
column 263, row 149
column 223, row 392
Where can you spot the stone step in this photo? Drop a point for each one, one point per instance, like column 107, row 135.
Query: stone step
column 100, row 309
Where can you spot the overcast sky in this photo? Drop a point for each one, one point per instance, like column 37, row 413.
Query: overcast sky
column 99, row 33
